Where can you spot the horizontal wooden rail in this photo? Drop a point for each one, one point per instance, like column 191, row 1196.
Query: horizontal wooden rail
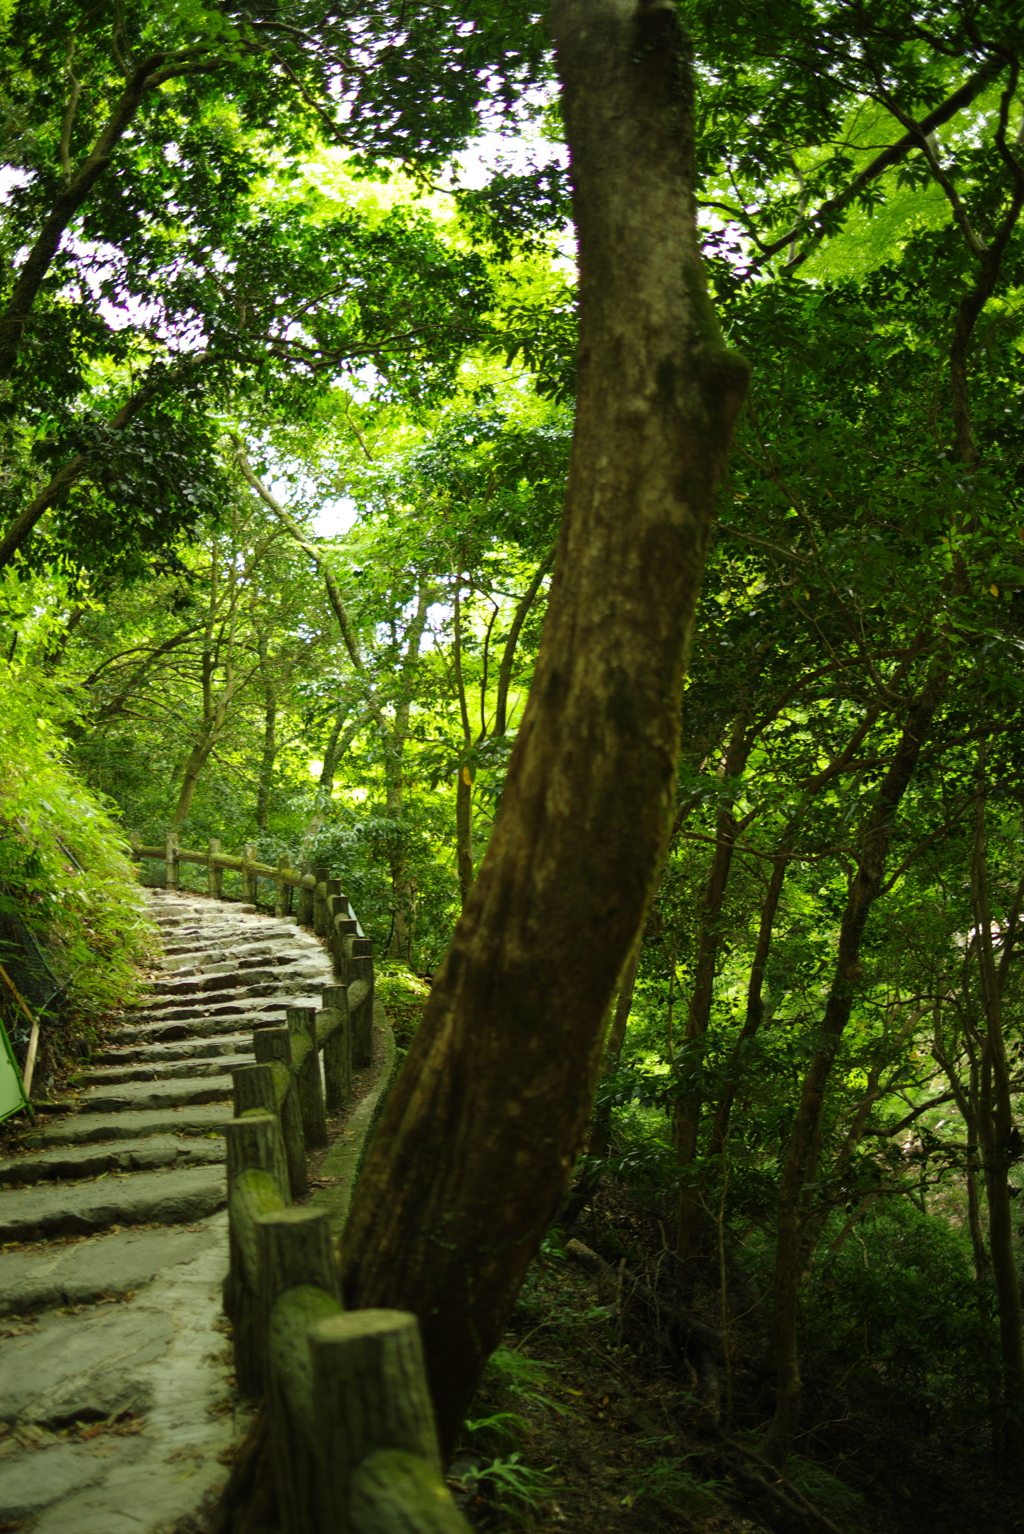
column 314, row 888
column 235, row 865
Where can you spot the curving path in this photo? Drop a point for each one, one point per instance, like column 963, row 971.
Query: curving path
column 115, row 1392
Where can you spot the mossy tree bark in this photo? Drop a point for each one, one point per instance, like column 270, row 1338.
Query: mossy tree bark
column 481, row 1129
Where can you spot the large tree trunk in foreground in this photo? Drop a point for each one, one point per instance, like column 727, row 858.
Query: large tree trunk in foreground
column 480, row 1131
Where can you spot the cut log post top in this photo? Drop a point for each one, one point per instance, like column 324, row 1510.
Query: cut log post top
column 352, row 1433
column 254, row 1144
column 394, row 1490
column 353, row 1439
column 273, row 1049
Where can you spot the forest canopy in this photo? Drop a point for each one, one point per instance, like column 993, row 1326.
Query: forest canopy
column 288, row 368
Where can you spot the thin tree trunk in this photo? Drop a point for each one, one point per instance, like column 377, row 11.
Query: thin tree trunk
column 464, row 831
column 403, row 887
column 601, row 1124
column 804, row 1140
column 966, row 1098
column 194, row 764
column 268, row 756
column 464, row 775
column 687, row 1111
column 483, row 1125
column 755, row 1000
column 338, row 742
column 508, row 654
column 215, row 707
column 996, row 1130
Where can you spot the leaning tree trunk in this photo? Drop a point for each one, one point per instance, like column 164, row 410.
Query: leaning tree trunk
column 481, row 1128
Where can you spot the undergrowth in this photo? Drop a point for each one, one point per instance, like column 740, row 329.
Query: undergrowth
column 63, row 869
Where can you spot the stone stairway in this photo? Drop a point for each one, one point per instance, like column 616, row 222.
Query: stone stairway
column 115, row 1395
column 151, row 1103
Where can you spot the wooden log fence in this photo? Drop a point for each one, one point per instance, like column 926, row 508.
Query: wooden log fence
column 351, row 1427
column 302, row 896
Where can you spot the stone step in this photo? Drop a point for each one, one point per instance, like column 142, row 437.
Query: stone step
column 174, row 1008
column 226, row 978
column 131, row 1095
column 182, row 1049
column 207, row 938
column 275, row 960
column 154, row 1023
column 217, row 925
column 174, row 1197
column 99, row 1267
column 160, row 1070
column 68, row 1162
column 252, row 982
column 192, row 1017
column 87, row 1128
column 201, row 959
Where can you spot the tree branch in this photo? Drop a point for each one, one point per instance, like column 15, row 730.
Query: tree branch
column 71, row 471
column 884, row 161
column 151, row 72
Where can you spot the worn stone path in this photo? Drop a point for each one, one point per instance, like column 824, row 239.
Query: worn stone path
column 115, row 1390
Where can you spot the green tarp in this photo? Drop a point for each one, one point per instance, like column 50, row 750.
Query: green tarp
column 12, row 1093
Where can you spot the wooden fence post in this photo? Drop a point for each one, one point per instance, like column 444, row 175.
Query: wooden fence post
column 283, row 896
column 272, row 1046
column 306, row 1065
column 337, row 1050
column 304, row 912
column 393, row 1489
column 369, row 1393
column 257, row 1183
column 249, row 873
column 360, row 967
column 253, row 1090
column 214, row 873
column 300, row 1284
column 172, row 872
column 254, row 1144
column 321, row 875
column 343, row 930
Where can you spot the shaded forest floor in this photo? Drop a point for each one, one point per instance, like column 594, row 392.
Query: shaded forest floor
column 586, row 1426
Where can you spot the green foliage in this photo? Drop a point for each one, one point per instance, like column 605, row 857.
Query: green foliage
column 521, row 1375
column 402, row 995
column 824, row 1490
column 673, row 1483
column 505, row 1479
column 62, row 857
column 899, row 1305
